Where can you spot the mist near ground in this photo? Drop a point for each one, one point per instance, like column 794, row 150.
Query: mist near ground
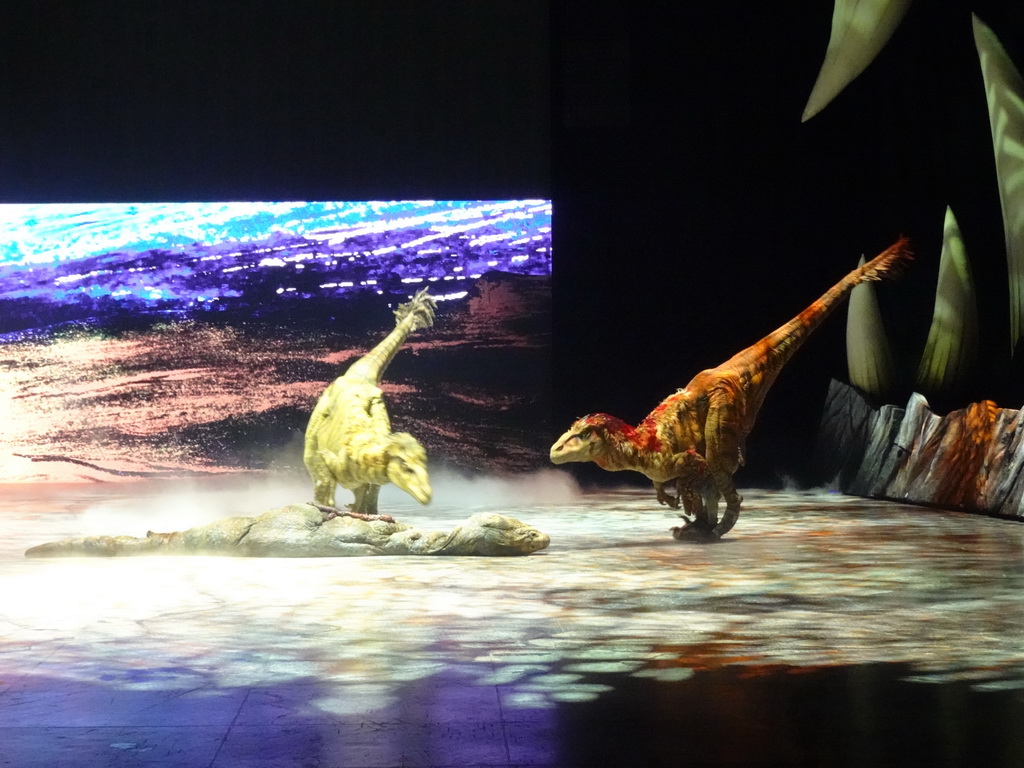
column 132, row 509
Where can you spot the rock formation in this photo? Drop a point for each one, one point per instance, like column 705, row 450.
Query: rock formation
column 969, row 459
column 305, row 530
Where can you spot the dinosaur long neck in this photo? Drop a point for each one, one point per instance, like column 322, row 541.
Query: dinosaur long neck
column 373, row 364
column 627, row 447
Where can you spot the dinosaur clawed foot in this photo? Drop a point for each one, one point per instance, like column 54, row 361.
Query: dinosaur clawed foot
column 697, row 531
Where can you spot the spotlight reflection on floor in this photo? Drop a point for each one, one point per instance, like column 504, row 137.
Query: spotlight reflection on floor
column 805, row 581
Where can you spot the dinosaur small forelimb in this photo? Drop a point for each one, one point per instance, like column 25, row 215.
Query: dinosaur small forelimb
column 330, row 513
column 691, row 467
column 665, row 499
column 692, row 470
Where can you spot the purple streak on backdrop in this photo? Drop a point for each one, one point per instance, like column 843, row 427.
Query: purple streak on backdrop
column 196, row 257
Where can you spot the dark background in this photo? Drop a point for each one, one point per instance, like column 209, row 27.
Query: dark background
column 693, row 211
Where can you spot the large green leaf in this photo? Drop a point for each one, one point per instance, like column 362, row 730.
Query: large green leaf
column 1003, row 91
column 952, row 346
column 868, row 356
column 860, row 29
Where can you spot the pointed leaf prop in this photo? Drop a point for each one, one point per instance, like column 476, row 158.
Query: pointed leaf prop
column 1004, row 92
column 868, row 357
column 952, row 345
column 860, row 29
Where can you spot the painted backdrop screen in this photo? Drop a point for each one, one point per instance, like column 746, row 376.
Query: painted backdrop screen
column 169, row 340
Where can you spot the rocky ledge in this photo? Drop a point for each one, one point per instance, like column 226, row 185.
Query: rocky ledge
column 306, row 530
column 969, row 459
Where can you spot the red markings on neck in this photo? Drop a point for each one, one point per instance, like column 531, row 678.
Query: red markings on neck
column 643, row 438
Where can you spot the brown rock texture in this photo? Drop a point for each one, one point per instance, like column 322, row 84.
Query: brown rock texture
column 970, row 459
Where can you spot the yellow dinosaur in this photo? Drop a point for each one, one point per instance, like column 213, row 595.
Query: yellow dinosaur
column 349, row 441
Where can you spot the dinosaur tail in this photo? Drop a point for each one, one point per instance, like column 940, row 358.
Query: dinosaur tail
column 889, row 264
column 772, row 352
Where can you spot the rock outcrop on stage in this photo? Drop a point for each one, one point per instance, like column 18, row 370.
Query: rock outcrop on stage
column 969, row 459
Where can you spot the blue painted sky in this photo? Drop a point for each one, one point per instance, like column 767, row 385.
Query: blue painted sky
column 192, row 255
column 50, row 233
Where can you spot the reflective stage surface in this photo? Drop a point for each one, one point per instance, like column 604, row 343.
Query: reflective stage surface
column 824, row 630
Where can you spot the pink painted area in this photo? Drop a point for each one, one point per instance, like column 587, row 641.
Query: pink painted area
column 398, row 389
column 90, row 406
column 108, row 402
column 482, row 400
column 343, row 358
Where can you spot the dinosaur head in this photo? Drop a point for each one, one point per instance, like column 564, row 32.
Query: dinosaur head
column 586, row 438
column 494, row 535
column 407, row 466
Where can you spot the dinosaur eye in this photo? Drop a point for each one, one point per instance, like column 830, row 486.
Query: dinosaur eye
column 585, row 433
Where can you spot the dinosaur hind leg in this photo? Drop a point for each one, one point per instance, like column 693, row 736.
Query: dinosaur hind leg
column 723, row 482
column 324, row 484
column 366, row 499
column 724, row 453
column 702, row 504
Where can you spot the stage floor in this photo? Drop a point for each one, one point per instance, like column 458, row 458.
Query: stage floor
column 824, row 630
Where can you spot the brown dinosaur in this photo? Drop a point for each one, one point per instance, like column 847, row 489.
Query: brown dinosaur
column 349, row 441
column 695, row 438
